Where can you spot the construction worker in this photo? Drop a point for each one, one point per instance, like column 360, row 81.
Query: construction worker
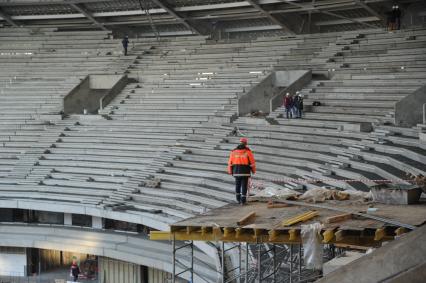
column 125, row 43
column 241, row 165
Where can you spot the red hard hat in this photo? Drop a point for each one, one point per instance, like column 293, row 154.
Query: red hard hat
column 244, row 140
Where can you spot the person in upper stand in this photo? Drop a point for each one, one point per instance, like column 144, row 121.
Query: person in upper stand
column 298, row 103
column 288, row 105
column 391, row 19
column 241, row 165
column 397, row 16
column 125, row 43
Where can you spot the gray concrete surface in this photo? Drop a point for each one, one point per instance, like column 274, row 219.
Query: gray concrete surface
column 93, row 93
column 295, row 81
column 409, row 110
column 384, row 263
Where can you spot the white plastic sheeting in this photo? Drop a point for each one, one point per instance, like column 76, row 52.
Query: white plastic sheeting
column 312, row 246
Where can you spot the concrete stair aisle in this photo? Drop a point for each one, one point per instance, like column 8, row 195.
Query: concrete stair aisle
column 25, row 170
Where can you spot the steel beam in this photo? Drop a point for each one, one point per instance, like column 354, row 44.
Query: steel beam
column 88, row 15
column 7, row 18
column 370, row 10
column 317, row 9
column 343, row 21
column 172, row 12
column 271, row 17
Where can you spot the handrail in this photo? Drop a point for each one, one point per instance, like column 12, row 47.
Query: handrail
column 424, row 113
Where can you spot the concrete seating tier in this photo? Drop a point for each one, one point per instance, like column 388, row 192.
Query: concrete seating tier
column 39, row 69
column 162, row 143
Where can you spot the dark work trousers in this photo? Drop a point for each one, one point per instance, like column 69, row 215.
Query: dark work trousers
column 125, row 50
column 241, row 183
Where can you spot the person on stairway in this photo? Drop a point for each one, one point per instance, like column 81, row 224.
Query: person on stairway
column 298, row 103
column 125, row 43
column 241, row 165
column 288, row 105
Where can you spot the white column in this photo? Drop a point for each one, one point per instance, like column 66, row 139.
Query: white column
column 67, row 219
column 97, row 222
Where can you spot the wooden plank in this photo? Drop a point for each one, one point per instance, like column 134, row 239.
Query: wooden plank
column 300, row 218
column 271, row 204
column 247, row 219
column 338, row 218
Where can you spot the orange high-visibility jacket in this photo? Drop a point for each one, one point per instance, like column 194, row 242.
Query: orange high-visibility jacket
column 241, row 162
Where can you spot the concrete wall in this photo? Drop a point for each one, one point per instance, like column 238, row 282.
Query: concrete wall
column 296, row 81
column 409, row 110
column 93, row 93
column 160, row 276
column 117, row 271
column 257, row 97
column 103, row 81
column 270, row 89
column 13, row 264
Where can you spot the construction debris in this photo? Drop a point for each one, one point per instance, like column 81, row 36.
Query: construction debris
column 269, row 189
column 323, row 194
column 419, row 180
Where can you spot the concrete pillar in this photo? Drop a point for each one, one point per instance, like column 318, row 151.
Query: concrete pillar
column 67, row 219
column 97, row 222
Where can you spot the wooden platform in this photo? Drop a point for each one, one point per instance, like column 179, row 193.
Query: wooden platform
column 267, row 226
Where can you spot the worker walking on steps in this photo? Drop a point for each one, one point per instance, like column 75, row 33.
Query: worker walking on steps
column 241, row 165
column 125, row 43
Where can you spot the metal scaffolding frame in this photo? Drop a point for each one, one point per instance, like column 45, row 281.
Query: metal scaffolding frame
column 176, row 262
column 256, row 262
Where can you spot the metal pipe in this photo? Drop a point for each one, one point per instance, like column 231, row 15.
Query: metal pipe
column 239, row 263
column 259, row 263
column 223, row 261
column 192, row 261
column 174, row 259
column 247, row 263
column 300, row 262
column 291, row 263
column 274, row 264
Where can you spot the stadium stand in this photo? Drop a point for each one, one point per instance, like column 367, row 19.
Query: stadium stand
column 157, row 154
column 188, row 117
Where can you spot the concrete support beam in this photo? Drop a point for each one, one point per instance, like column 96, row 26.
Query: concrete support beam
column 172, row 12
column 7, row 18
column 68, row 219
column 97, row 222
column 271, row 17
column 80, row 8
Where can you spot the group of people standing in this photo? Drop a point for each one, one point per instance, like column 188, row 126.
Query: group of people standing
column 394, row 18
column 293, row 105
